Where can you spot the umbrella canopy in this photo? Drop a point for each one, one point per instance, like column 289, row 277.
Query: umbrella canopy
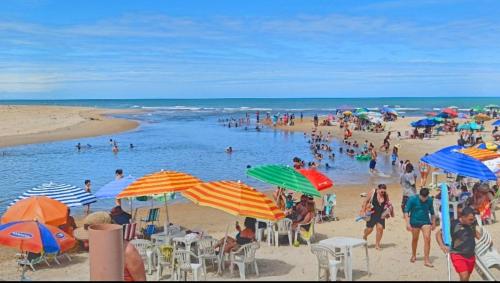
column 361, row 110
column 234, row 198
column 423, row 123
column 35, row 237
column 347, row 113
column 40, row 208
column 482, row 117
column 283, row 176
column 492, row 106
column 470, row 126
column 451, row 112
column 69, row 195
column 162, row 182
column 389, row 111
column 463, row 116
column 438, row 120
column 431, row 114
column 496, row 124
column 113, row 188
column 478, row 109
column 319, row 180
column 452, row 160
column 480, row 154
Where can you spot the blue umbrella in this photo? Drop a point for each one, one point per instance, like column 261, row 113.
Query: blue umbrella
column 443, row 115
column 113, row 188
column 497, row 123
column 389, row 110
column 423, row 123
column 69, row 195
column 451, row 160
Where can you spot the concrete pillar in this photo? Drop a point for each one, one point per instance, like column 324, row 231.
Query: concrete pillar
column 106, row 252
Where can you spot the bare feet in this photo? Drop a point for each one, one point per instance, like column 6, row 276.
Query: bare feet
column 428, row 264
column 377, row 247
column 413, row 259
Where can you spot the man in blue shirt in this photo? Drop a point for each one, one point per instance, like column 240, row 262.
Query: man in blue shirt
column 419, row 216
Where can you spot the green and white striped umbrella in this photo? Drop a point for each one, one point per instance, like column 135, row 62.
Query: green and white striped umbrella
column 285, row 177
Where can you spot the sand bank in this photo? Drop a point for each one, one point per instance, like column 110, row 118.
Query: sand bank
column 36, row 124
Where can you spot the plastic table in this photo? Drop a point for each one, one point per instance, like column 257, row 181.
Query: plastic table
column 346, row 244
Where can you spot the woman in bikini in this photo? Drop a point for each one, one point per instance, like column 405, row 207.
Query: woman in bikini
column 424, row 172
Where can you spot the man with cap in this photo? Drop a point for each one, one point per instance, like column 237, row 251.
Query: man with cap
column 463, row 244
column 134, row 266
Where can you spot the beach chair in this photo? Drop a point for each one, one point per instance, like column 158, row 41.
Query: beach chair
column 30, row 259
column 328, row 261
column 153, row 216
column 129, row 231
column 329, row 200
column 243, row 256
column 183, row 265
column 206, row 251
column 149, row 230
column 259, row 230
column 307, row 235
column 283, row 227
column 164, row 256
column 145, row 249
column 486, row 255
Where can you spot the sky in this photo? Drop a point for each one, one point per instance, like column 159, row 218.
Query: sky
column 261, row 48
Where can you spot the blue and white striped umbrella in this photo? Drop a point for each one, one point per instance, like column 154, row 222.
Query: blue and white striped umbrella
column 69, row 195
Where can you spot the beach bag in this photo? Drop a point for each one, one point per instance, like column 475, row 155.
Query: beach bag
column 369, row 209
column 388, row 210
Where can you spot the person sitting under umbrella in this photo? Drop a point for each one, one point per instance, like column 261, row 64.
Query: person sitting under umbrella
column 119, row 216
column 243, row 237
column 70, row 224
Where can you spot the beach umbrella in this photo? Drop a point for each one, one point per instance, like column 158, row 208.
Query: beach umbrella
column 463, row 116
column 347, row 113
column 452, row 160
column 40, row 208
column 423, row 123
column 345, row 108
column 496, row 124
column 492, row 106
column 479, row 153
column 113, row 188
column 389, row 111
column 162, row 182
column 438, row 120
column 319, row 180
column 482, row 117
column 478, row 109
column 361, row 110
column 451, row 112
column 285, row 177
column 444, row 115
column 35, row 237
column 69, row 195
column 431, row 114
column 235, row 198
column 470, row 126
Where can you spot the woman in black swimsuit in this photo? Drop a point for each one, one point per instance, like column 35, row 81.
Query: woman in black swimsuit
column 375, row 202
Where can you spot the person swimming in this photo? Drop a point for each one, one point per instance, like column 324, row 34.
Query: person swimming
column 131, row 146
column 229, row 149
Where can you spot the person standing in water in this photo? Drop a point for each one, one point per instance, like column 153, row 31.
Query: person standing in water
column 88, row 190
column 118, row 176
column 373, row 161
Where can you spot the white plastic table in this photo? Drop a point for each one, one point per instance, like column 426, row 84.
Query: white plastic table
column 346, row 244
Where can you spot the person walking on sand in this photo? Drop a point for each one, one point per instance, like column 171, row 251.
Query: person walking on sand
column 87, row 189
column 376, row 203
column 463, row 245
column 408, row 179
column 419, row 216
column 424, row 172
column 373, row 160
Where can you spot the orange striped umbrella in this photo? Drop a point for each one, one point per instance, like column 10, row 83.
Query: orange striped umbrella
column 162, row 182
column 235, row 198
column 480, row 154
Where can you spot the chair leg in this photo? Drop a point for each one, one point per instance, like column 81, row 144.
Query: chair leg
column 256, row 268
column 276, row 239
column 241, row 267
column 290, row 241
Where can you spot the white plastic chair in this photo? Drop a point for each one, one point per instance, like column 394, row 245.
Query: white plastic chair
column 283, row 227
column 206, row 251
column 144, row 247
column 259, row 232
column 302, row 234
column 328, row 261
column 183, row 265
column 486, row 256
column 243, row 256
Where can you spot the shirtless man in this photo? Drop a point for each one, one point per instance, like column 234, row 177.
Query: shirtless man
column 373, row 161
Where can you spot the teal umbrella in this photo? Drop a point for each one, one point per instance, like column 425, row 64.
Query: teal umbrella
column 470, row 126
column 437, row 119
column 285, row 177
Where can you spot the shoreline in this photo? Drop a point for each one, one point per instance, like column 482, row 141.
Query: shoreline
column 23, row 125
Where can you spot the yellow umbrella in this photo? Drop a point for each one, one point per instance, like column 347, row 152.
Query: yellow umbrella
column 482, row 117
column 162, row 182
column 347, row 113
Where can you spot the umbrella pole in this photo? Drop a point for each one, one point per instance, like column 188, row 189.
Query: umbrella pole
column 167, row 222
column 449, row 267
column 221, row 251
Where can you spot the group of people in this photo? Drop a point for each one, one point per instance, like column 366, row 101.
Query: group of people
column 112, row 143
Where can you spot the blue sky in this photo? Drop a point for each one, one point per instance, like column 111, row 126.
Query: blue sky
column 228, row 48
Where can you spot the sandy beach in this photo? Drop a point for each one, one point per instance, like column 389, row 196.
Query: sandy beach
column 275, row 263
column 36, row 124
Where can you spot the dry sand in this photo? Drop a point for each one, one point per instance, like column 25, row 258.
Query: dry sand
column 36, row 124
column 292, row 263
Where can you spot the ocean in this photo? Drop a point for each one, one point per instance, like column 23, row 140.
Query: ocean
column 185, row 135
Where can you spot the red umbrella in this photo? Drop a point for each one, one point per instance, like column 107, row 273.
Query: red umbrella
column 450, row 112
column 319, row 181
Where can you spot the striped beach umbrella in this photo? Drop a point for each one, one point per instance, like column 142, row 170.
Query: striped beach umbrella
column 163, row 182
column 480, row 154
column 70, row 195
column 285, row 177
column 235, row 198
